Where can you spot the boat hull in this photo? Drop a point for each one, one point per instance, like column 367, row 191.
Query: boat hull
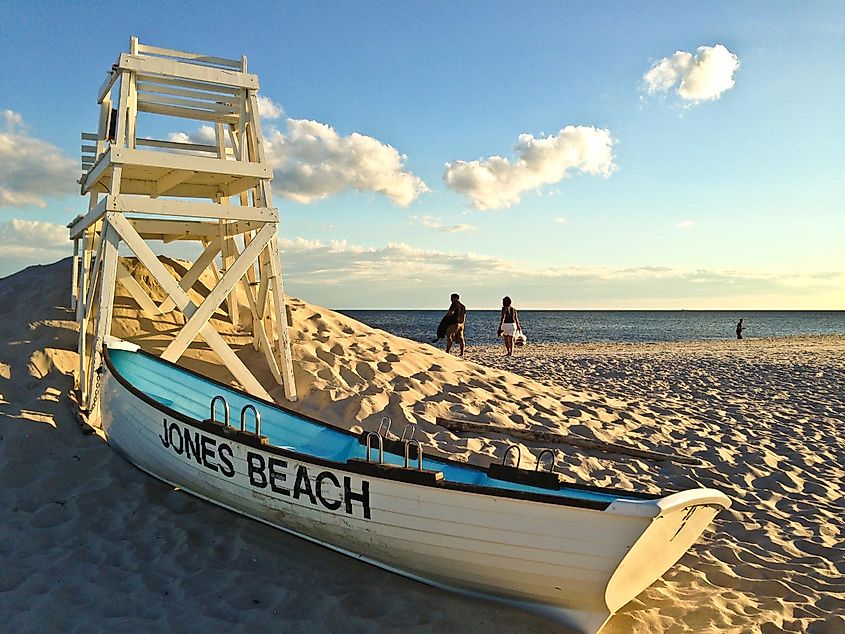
column 574, row 563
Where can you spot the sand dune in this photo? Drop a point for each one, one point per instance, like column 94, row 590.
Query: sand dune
column 89, row 542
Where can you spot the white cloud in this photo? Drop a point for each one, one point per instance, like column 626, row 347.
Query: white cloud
column 312, row 161
column 685, row 224
column 268, row 109
column 10, row 198
column 436, row 225
column 33, row 234
column 340, row 274
column 27, row 242
column 700, row 77
column 204, row 135
column 31, row 170
column 560, row 221
column 313, row 263
column 301, row 245
column 496, row 182
column 12, row 119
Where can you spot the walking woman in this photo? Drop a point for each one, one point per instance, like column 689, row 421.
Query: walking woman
column 508, row 324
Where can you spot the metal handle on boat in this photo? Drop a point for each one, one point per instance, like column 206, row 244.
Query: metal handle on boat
column 385, row 425
column 518, row 455
column 413, row 429
column 225, row 410
column 256, row 415
column 552, row 453
column 416, row 443
column 380, row 446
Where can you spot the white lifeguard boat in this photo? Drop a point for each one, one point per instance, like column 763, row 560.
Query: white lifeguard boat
column 575, row 553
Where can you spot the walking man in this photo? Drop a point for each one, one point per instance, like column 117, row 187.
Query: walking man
column 455, row 317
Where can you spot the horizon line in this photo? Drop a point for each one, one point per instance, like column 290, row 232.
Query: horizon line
column 619, row 310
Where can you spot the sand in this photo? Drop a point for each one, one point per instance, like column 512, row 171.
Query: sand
column 91, row 543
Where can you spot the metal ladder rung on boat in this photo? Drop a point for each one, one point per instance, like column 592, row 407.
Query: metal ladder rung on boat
column 249, row 407
column 381, row 434
column 542, row 479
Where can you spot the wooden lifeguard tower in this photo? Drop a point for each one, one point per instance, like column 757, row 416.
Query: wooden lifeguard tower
column 144, row 189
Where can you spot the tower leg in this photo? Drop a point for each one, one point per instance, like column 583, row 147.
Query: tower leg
column 102, row 329
column 281, row 319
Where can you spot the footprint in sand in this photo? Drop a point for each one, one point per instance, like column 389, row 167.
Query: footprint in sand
column 400, row 384
column 545, row 410
column 582, row 430
column 365, row 371
column 50, row 515
column 393, row 358
column 384, row 367
column 337, row 349
column 325, row 356
column 350, row 377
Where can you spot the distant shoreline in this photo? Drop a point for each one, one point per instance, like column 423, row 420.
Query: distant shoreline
column 603, row 310
column 792, row 342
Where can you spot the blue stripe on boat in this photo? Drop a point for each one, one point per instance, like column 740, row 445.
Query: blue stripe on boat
column 191, row 396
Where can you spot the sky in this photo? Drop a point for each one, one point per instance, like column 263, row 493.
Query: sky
column 570, row 155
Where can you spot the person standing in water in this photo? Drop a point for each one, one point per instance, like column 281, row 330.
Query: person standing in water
column 508, row 324
column 739, row 329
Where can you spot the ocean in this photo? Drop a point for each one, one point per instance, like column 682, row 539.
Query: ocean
column 579, row 326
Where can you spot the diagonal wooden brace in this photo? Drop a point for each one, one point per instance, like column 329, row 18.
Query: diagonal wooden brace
column 184, row 303
column 220, row 292
column 128, row 282
column 193, row 274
